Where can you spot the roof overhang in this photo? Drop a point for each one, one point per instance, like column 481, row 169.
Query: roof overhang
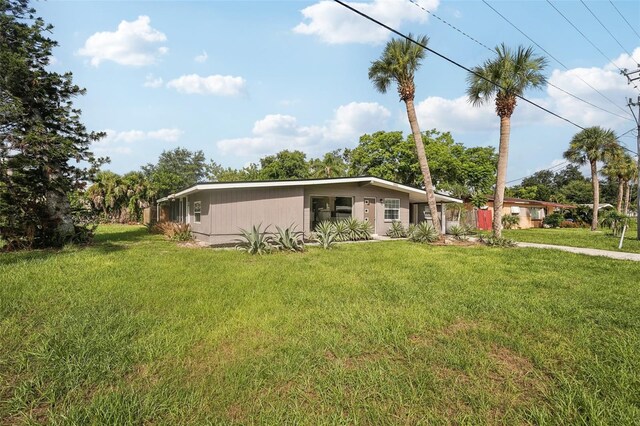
column 415, row 195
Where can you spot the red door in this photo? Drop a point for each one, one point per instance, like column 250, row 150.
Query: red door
column 484, row 220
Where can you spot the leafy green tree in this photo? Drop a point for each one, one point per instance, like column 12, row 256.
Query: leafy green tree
column 332, row 164
column 43, row 144
column 590, row 146
column 387, row 155
column 399, row 62
column 616, row 170
column 176, row 169
column 570, row 173
column 284, row 165
column 218, row 173
column 513, row 72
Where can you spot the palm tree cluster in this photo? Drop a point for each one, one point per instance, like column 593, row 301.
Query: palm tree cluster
column 501, row 79
column 118, row 198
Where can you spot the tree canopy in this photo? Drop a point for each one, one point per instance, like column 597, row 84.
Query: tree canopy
column 43, row 143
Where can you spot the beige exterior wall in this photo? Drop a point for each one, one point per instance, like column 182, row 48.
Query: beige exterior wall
column 525, row 214
column 224, row 212
column 359, row 192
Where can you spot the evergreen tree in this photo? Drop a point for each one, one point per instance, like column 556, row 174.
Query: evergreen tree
column 42, row 140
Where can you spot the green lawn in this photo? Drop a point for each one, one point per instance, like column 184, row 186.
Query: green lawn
column 577, row 237
column 137, row 330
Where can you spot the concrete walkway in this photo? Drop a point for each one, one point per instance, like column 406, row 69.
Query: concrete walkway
column 588, row 251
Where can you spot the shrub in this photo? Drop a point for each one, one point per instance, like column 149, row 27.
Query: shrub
column 254, row 241
column 424, row 232
column 553, row 220
column 510, row 221
column 325, row 234
column 615, row 221
column 458, row 232
column 358, row 230
column 396, row 230
column 493, row 241
column 288, row 239
column 569, row 224
column 174, row 230
column 341, row 229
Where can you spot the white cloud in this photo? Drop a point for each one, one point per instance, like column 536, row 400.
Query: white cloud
column 119, row 142
column 458, row 115
column 276, row 132
column 202, row 57
column 335, row 24
column 53, row 61
column 221, row 85
column 153, row 81
column 134, row 43
column 625, row 61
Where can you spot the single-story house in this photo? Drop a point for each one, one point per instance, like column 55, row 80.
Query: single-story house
column 217, row 211
column 530, row 212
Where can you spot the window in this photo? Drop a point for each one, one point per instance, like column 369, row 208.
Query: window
column 196, row 211
column 536, row 213
column 391, row 209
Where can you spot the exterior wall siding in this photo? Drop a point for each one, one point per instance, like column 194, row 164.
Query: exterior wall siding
column 359, row 192
column 224, row 212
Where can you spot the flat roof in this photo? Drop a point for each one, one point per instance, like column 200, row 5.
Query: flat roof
column 415, row 195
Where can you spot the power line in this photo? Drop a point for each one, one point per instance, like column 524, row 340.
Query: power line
column 452, row 26
column 557, row 60
column 440, row 55
column 492, row 51
column 625, row 19
column 606, row 29
column 583, row 35
column 549, row 169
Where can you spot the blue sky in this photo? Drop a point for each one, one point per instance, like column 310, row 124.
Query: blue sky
column 243, row 79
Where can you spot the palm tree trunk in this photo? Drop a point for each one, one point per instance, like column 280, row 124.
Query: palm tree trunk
column 627, row 196
column 620, row 195
column 596, row 195
column 424, row 164
column 501, row 180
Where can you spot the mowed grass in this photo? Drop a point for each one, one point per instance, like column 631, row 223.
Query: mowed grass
column 577, row 237
column 137, row 330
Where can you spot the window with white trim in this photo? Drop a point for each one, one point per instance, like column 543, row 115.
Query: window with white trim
column 391, row 209
column 197, row 205
column 536, row 213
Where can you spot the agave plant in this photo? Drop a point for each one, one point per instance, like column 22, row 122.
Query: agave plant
column 342, row 229
column 459, row 232
column 424, row 232
column 288, row 239
column 325, row 234
column 396, row 230
column 366, row 230
column 254, row 241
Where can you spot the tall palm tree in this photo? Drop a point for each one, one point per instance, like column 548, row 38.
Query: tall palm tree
column 399, row 62
column 512, row 72
column 615, row 169
column 590, row 146
column 629, row 175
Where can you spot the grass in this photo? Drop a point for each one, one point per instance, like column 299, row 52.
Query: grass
column 577, row 237
column 137, row 330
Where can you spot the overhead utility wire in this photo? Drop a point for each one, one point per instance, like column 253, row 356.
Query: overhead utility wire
column 548, row 82
column 583, row 35
column 440, row 55
column 625, row 19
column 606, row 29
column 452, row 26
column 558, row 60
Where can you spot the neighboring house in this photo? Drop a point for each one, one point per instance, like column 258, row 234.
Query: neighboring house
column 600, row 206
column 217, row 211
column 530, row 212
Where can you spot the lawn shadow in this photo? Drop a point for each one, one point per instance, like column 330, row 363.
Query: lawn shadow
column 122, row 233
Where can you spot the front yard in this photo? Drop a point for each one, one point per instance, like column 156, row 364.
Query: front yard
column 577, row 237
column 136, row 329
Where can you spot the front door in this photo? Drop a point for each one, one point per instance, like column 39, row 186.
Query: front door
column 370, row 212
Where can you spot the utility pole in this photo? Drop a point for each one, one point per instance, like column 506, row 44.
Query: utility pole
column 631, row 104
